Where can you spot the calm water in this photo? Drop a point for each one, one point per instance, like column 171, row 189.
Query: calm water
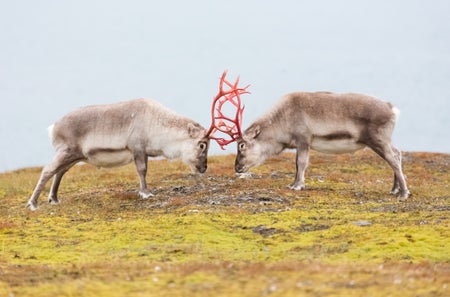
column 60, row 56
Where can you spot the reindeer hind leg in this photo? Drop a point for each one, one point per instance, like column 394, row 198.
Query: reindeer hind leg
column 53, row 194
column 396, row 186
column 392, row 156
column 61, row 160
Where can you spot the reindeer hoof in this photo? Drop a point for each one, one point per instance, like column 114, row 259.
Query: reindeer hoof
column 403, row 197
column 53, row 201
column 394, row 191
column 32, row 206
column 296, row 187
column 145, row 194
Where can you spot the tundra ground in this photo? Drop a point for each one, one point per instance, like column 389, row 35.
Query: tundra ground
column 219, row 235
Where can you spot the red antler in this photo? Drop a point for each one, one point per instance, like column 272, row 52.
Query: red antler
column 222, row 123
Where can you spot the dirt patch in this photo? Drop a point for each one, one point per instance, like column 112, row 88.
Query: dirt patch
column 311, row 227
column 265, row 231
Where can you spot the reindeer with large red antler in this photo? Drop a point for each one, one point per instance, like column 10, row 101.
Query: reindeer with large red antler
column 117, row 134
column 219, row 121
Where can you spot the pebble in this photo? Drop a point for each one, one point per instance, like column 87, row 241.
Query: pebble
column 362, row 223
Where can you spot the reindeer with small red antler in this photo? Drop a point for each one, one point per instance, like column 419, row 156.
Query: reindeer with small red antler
column 325, row 122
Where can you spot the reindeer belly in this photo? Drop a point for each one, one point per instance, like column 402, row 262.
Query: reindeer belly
column 335, row 144
column 109, row 157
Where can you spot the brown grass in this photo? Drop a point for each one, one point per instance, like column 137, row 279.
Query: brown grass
column 218, row 235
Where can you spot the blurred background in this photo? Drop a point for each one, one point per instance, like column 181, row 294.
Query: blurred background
column 59, row 55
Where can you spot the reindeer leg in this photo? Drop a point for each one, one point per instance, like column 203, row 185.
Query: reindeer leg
column 53, row 195
column 141, row 160
column 302, row 160
column 392, row 156
column 396, row 186
column 61, row 160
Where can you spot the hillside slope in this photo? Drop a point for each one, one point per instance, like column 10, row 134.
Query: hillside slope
column 218, row 235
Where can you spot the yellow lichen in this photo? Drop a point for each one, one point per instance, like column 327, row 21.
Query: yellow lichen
column 218, row 235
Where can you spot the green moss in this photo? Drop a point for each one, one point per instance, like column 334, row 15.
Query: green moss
column 222, row 236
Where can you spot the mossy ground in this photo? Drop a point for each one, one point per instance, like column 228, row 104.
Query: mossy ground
column 218, row 235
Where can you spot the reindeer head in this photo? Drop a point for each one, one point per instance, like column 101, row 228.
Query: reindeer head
column 195, row 148
column 219, row 121
column 251, row 150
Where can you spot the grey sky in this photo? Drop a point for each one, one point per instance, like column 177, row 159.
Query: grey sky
column 59, row 55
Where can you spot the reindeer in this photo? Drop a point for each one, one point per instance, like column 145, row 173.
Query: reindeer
column 120, row 133
column 325, row 122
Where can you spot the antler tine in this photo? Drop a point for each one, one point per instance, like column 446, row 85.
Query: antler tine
column 222, row 80
column 227, row 125
column 218, row 96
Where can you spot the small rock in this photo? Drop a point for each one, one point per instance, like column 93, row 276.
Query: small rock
column 362, row 223
column 244, row 175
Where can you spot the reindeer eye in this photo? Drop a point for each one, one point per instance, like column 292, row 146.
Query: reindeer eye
column 202, row 146
column 242, row 146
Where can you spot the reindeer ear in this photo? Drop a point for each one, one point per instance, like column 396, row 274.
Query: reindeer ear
column 253, row 131
column 194, row 130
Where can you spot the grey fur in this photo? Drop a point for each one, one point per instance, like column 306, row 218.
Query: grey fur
column 117, row 134
column 326, row 122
